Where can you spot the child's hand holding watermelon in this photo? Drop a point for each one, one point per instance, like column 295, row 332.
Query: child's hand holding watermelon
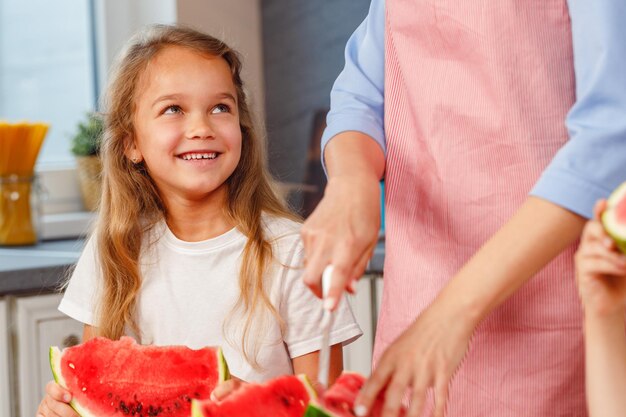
column 600, row 269
column 601, row 276
column 225, row 388
column 56, row 402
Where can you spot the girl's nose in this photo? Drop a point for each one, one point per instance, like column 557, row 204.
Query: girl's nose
column 200, row 128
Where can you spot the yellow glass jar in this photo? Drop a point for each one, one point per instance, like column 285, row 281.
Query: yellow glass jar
column 17, row 216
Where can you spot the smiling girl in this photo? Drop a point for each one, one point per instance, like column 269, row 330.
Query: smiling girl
column 192, row 245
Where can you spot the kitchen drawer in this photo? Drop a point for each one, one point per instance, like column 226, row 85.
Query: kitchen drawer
column 39, row 326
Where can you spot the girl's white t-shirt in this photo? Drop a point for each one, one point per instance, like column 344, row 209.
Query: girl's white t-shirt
column 190, row 288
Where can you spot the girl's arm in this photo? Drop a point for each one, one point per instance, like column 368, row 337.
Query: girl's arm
column 89, row 332
column 430, row 350
column 308, row 364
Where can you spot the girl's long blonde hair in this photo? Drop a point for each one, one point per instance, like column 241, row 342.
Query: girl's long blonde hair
column 130, row 194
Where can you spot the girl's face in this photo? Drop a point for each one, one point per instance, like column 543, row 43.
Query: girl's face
column 187, row 124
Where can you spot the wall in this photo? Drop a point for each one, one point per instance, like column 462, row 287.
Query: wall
column 117, row 20
column 303, row 44
column 238, row 23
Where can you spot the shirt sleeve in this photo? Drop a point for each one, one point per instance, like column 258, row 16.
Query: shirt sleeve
column 593, row 162
column 80, row 298
column 302, row 313
column 356, row 99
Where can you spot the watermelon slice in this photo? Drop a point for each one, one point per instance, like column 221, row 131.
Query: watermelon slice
column 286, row 396
column 123, row 378
column 338, row 400
column 614, row 217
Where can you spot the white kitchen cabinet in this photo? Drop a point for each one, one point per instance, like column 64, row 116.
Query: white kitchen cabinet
column 357, row 356
column 5, row 384
column 39, row 326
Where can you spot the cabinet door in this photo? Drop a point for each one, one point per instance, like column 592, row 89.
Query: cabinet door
column 5, row 386
column 39, row 326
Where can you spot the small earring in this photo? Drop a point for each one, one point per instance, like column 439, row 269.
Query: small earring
column 134, row 159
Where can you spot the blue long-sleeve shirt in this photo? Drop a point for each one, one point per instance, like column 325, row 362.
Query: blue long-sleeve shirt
column 588, row 167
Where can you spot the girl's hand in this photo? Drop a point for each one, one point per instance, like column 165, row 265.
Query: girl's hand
column 342, row 231
column 226, row 388
column 600, row 269
column 56, row 402
column 426, row 355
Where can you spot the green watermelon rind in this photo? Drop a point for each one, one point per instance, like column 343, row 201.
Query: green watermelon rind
column 224, row 372
column 316, row 410
column 55, row 355
column 196, row 408
column 55, row 365
column 608, row 218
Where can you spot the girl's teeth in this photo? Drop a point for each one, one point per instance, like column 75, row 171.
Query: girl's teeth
column 211, row 155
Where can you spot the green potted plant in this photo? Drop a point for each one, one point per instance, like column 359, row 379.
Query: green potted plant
column 86, row 149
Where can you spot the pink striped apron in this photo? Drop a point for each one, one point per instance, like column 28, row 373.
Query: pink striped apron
column 476, row 94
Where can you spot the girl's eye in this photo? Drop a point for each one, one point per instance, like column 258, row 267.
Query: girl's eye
column 172, row 110
column 221, row 108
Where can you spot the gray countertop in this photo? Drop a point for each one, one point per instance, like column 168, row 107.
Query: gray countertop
column 42, row 268
column 38, row 268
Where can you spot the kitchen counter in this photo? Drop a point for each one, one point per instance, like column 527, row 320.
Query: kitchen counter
column 42, row 267
column 38, row 268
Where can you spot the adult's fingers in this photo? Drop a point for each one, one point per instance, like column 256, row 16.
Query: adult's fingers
column 379, row 379
column 58, row 393
column 395, row 391
column 314, row 265
column 359, row 267
column 441, row 396
column 346, row 261
column 418, row 396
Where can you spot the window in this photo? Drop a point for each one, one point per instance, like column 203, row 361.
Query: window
column 47, row 68
column 54, row 56
column 48, row 74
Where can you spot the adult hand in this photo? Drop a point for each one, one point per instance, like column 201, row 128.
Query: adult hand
column 342, row 231
column 600, row 269
column 56, row 402
column 426, row 355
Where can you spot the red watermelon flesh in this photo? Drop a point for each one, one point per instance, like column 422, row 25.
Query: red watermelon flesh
column 338, row 400
column 286, row 396
column 123, row 378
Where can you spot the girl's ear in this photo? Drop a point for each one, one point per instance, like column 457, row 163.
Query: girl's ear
column 132, row 152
